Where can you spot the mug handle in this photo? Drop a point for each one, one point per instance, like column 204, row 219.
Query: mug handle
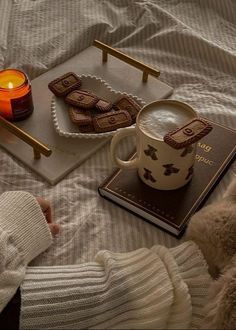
column 115, row 141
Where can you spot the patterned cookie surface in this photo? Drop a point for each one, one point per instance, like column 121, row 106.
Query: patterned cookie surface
column 81, row 99
column 64, row 84
column 80, row 116
column 126, row 103
column 112, row 120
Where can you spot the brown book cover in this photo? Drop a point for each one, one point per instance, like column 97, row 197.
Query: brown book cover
column 172, row 209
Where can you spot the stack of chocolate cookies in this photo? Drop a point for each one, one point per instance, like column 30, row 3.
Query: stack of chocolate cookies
column 89, row 112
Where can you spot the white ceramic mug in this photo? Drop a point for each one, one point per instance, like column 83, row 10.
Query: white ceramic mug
column 159, row 165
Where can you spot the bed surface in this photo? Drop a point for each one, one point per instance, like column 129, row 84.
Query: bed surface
column 194, row 45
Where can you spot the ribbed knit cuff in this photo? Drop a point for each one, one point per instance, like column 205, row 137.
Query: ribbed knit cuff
column 194, row 271
column 141, row 289
column 23, row 219
column 146, row 288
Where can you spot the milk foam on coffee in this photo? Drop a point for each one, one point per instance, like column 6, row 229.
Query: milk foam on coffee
column 159, row 119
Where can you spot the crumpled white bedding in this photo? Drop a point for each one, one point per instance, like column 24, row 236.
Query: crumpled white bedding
column 194, row 45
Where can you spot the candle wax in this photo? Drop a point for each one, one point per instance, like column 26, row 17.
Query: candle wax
column 11, row 80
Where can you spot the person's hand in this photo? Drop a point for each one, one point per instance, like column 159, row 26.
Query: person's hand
column 47, row 211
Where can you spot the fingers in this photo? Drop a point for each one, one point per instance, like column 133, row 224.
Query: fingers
column 47, row 211
column 46, row 208
column 54, row 228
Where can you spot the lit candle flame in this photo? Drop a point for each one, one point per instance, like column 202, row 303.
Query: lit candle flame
column 10, row 85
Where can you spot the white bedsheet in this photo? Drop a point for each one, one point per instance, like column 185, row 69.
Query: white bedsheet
column 194, row 45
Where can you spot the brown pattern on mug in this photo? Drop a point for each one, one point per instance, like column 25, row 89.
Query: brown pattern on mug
column 151, row 151
column 170, row 169
column 186, row 151
column 190, row 173
column 148, row 175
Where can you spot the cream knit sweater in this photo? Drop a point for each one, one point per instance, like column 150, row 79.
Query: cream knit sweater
column 24, row 234
column 156, row 288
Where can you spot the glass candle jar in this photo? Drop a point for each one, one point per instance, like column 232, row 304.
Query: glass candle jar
column 15, row 95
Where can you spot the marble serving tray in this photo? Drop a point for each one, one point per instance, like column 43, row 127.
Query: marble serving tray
column 67, row 153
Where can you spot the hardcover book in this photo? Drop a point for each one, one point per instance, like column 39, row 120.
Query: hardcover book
column 172, row 209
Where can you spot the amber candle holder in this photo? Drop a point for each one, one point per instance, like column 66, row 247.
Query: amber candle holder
column 16, row 101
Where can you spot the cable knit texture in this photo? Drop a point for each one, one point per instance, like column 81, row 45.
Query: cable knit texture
column 153, row 288
column 24, row 234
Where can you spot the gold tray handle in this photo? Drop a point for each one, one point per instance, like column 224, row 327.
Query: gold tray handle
column 139, row 65
column 37, row 146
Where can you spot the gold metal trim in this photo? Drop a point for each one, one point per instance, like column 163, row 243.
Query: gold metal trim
column 38, row 147
column 139, row 65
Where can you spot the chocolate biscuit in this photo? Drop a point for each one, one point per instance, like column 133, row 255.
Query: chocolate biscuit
column 86, row 128
column 103, row 105
column 128, row 104
column 188, row 134
column 80, row 116
column 112, row 120
column 81, row 99
column 64, row 84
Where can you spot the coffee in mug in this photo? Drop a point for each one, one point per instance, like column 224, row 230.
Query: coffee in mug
column 159, row 119
column 166, row 132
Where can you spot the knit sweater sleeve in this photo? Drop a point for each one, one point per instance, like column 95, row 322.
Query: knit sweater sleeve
column 24, row 234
